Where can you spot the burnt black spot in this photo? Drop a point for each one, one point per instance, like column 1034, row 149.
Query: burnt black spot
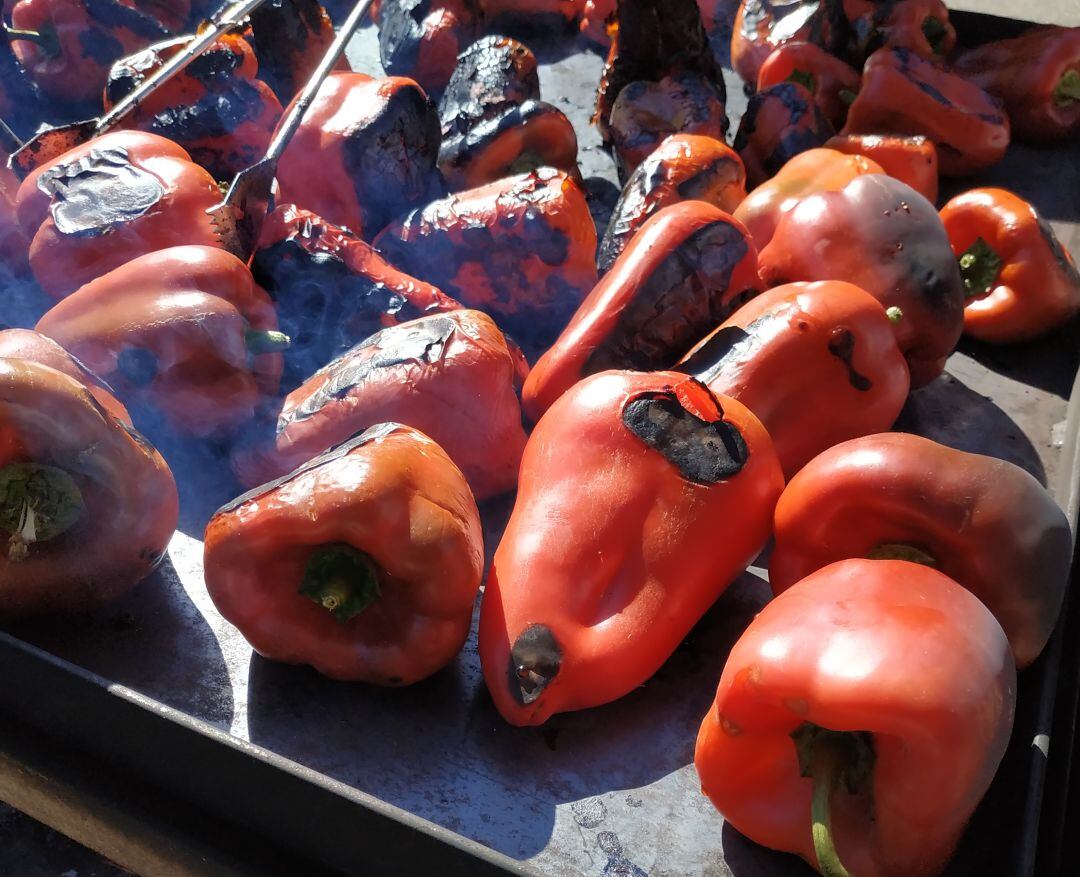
column 138, row 366
column 215, row 65
column 100, row 46
column 704, row 452
column 535, row 659
column 725, row 345
column 115, row 16
column 842, row 346
column 493, row 75
column 287, row 36
column 1058, row 251
column 215, row 114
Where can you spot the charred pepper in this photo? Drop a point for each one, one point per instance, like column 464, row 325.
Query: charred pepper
column 422, row 39
column 290, row 38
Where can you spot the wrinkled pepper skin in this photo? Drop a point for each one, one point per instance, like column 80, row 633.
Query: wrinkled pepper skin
column 817, row 363
column 1036, row 75
column 910, row 159
column 983, row 522
column 35, row 347
column 331, row 290
column 422, row 39
column 170, row 331
column 886, row 238
column 827, row 78
column 779, row 123
column 81, row 227
column 903, row 94
column 290, row 37
column 125, row 507
column 215, row 108
column 85, row 37
column 520, row 249
column 915, row 678
column 1020, row 281
column 762, row 26
column 451, row 376
column 383, row 524
column 808, row 173
column 684, row 167
column 364, row 153
column 687, row 269
column 612, row 553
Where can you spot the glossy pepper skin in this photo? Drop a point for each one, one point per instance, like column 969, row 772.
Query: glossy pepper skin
column 290, row 37
column 451, row 376
column 117, row 197
column 684, row 167
column 779, row 123
column 886, row 238
column 83, row 38
column 983, row 522
column 877, row 695
column 364, row 153
column 331, row 290
column 910, row 159
column 808, row 173
column 184, row 331
column 688, row 268
column 87, row 504
column 364, row 562
column 215, row 108
column 761, row 26
column 422, row 39
column 35, row 347
column 1019, row 280
column 832, row 82
column 612, row 552
column 903, row 94
column 520, row 249
column 1036, row 75
column 817, row 363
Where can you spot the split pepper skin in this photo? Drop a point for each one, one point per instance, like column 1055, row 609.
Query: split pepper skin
column 873, row 700
column 621, row 537
column 184, row 331
column 684, row 167
column 422, row 39
column 88, row 505
column 364, row 563
column 832, row 82
column 108, row 201
column 911, row 159
column 1019, row 280
column 688, row 268
column 888, row 239
column 817, row 363
column 983, row 522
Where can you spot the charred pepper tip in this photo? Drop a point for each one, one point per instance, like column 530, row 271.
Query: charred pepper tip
column 37, row 503
column 535, row 659
column 979, row 267
column 341, row 579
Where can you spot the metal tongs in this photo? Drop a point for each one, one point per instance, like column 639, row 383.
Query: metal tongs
column 239, row 218
column 52, row 142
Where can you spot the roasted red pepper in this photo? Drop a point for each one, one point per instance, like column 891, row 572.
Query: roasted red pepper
column 832, row 82
column 808, row 173
column 185, row 331
column 684, row 167
column 910, row 159
column 779, row 123
column 88, row 505
column 331, row 290
column 885, row 237
column 109, row 201
column 215, row 108
column 903, row 94
column 641, row 497
column 922, row 26
column 364, row 562
column 21, row 103
column 1019, row 280
column 761, row 26
column 1037, row 75
column 521, row 250
column 422, row 39
column 874, row 700
column 983, row 522
column 74, row 42
column 816, row 362
column 687, row 269
column 364, row 154
column 290, row 39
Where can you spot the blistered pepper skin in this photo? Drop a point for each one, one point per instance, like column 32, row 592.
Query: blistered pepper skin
column 817, row 363
column 985, row 523
column 686, row 270
column 910, row 159
column 1020, row 281
column 129, row 500
column 79, row 229
column 611, row 552
column 893, row 656
column 885, row 237
column 392, row 500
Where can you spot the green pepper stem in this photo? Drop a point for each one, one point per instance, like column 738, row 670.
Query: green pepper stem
column 827, row 767
column 803, row 78
column 21, row 540
column 934, row 31
column 266, row 341
column 847, row 96
column 45, row 40
column 894, row 314
column 979, row 267
column 1068, row 89
column 341, row 579
column 37, row 503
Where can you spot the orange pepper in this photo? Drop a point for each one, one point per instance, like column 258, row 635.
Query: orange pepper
column 832, row 82
column 910, row 159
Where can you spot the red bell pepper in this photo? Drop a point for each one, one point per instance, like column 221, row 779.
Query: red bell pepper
column 761, row 26
column 290, row 38
column 910, row 159
column 832, row 82
column 422, row 39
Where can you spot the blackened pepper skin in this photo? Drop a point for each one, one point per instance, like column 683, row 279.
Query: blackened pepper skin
column 422, row 38
column 290, row 37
